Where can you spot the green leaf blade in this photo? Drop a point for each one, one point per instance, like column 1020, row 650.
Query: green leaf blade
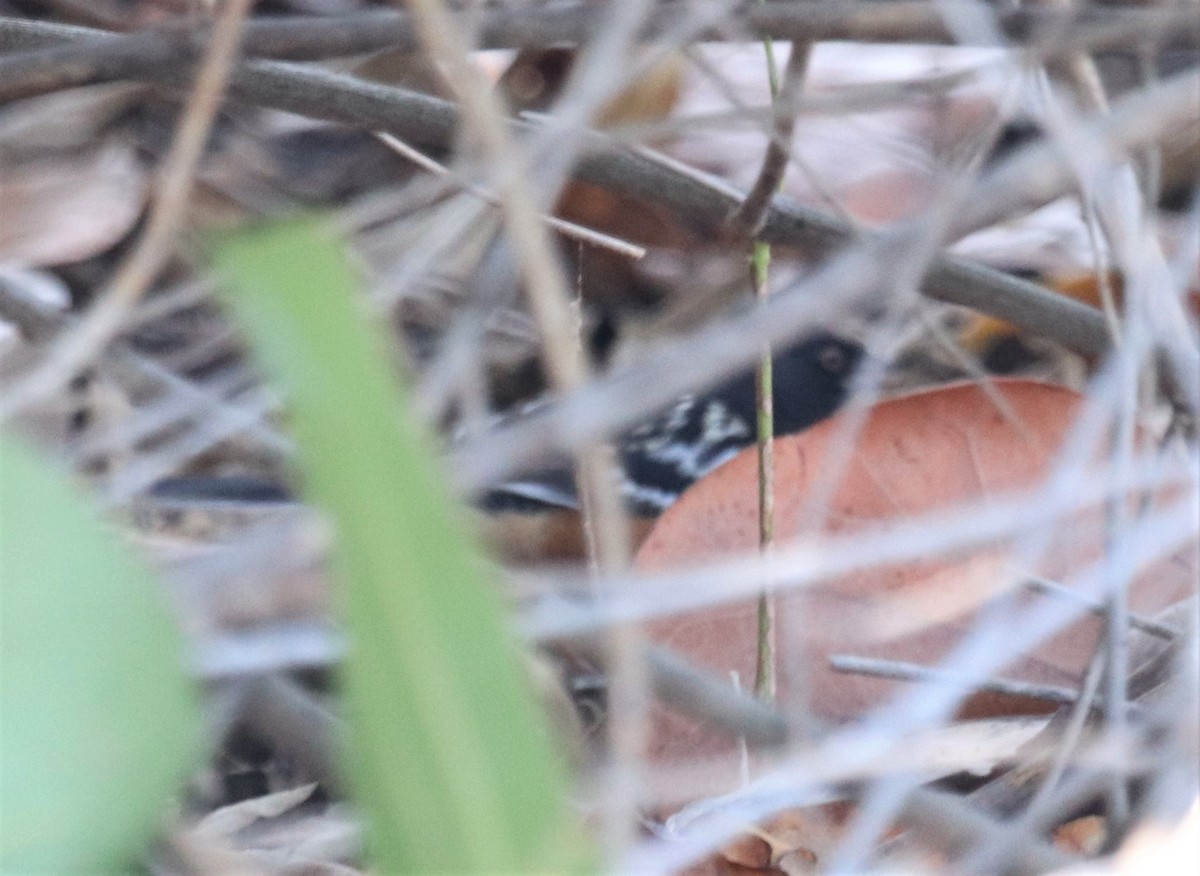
column 448, row 754
column 97, row 719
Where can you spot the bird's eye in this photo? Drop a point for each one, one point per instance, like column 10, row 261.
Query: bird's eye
column 833, row 359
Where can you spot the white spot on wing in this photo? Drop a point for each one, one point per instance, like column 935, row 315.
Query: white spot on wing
column 721, row 435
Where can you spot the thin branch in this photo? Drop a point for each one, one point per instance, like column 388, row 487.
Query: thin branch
column 898, row 670
column 574, row 23
column 320, row 37
column 752, row 212
column 680, row 685
column 1052, row 588
column 96, row 60
column 562, row 226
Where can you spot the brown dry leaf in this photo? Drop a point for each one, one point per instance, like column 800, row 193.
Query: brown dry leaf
column 933, row 449
column 1083, row 836
column 747, row 851
column 68, row 209
column 800, row 837
column 1154, row 847
column 798, row 862
column 791, row 843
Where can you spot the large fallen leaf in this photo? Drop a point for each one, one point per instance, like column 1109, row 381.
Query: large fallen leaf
column 915, row 454
column 68, row 209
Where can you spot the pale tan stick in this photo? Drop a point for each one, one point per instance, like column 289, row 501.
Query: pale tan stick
column 547, row 292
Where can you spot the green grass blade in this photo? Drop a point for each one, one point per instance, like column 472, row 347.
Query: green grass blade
column 447, row 753
column 97, row 720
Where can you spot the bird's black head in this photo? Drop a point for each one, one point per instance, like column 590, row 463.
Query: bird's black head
column 811, row 379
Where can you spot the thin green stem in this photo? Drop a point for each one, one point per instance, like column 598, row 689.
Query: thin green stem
column 760, row 262
column 764, row 674
column 772, row 68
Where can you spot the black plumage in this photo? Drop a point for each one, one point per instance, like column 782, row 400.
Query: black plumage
column 663, row 456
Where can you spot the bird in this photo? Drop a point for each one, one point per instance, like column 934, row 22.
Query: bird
column 536, row 517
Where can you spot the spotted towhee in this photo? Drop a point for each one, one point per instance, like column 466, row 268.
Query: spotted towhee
column 536, row 517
